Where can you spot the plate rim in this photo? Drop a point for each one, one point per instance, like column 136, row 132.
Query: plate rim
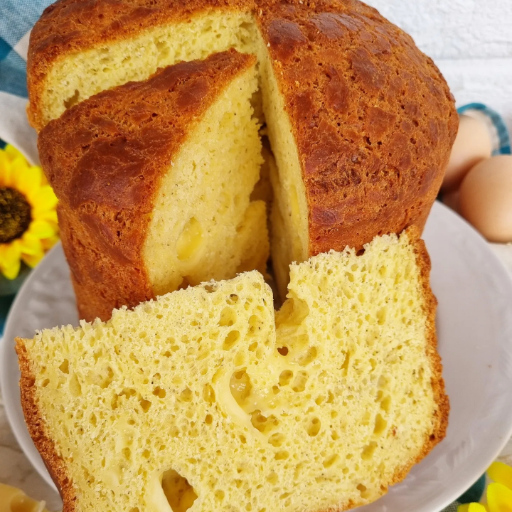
column 11, row 403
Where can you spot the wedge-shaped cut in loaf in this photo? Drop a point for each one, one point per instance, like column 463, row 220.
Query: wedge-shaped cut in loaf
column 360, row 122
column 204, row 400
column 154, row 181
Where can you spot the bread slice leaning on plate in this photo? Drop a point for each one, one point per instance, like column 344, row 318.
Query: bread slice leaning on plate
column 206, row 399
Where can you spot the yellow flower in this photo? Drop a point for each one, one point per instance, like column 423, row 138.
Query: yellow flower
column 28, row 219
column 499, row 493
column 471, row 507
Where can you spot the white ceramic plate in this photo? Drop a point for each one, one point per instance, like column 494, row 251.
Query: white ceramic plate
column 474, row 325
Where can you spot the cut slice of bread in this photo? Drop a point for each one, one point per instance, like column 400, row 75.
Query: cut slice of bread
column 154, row 181
column 360, row 121
column 202, row 400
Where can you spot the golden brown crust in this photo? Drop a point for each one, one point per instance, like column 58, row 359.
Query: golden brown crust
column 105, row 158
column 373, row 119
column 37, row 429
column 441, row 399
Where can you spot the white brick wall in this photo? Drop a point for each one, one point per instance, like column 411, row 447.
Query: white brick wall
column 470, row 40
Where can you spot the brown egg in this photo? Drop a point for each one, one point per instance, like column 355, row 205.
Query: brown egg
column 472, row 145
column 485, row 198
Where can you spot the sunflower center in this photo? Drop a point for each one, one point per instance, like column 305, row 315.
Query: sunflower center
column 15, row 214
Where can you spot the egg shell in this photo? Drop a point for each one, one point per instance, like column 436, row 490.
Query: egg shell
column 485, row 198
column 472, row 145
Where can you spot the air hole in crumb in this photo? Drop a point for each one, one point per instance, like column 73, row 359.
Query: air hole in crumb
column 380, row 425
column 227, row 317
column 346, row 362
column 208, row 394
column 363, row 491
column 241, row 387
column 144, row 404
column 64, row 367
column 299, row 383
column 330, row 461
column 72, row 100
column 369, row 450
column 186, row 395
column 272, row 478
column 285, row 377
column 314, row 427
column 385, row 404
column 159, row 392
column 179, row 493
column 230, row 340
column 277, row 439
column 263, row 423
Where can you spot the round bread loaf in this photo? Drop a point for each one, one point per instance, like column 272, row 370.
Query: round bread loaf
column 360, row 121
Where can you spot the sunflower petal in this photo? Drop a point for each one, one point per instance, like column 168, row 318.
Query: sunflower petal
column 18, row 170
column 12, row 271
column 48, row 243
column 11, row 253
column 13, row 153
column 4, row 161
column 501, row 473
column 10, row 259
column 30, row 181
column 30, row 244
column 43, row 200
column 50, row 216
column 5, row 170
column 33, row 260
column 471, row 507
column 499, row 498
column 41, row 229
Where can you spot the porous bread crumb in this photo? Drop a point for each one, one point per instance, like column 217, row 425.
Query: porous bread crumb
column 201, row 401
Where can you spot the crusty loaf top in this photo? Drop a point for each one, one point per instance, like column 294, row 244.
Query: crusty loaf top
column 105, row 158
column 373, row 118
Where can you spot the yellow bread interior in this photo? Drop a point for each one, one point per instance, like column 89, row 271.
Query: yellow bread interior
column 203, row 224
column 205, row 399
column 76, row 77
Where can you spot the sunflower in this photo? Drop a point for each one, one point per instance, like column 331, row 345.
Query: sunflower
column 28, row 219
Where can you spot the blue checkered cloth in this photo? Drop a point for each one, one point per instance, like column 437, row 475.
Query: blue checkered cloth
column 17, row 18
